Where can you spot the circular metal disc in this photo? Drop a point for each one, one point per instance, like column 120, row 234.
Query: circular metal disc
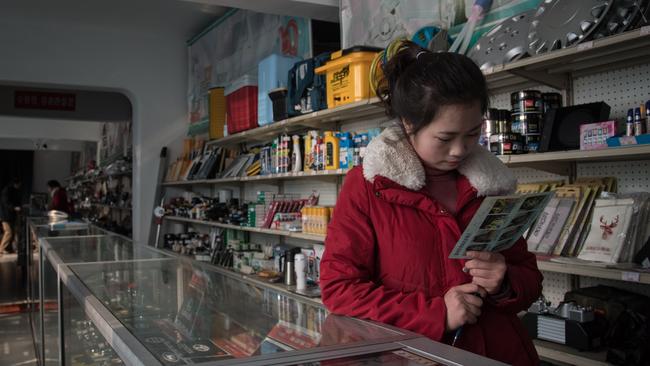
column 623, row 15
column 564, row 23
column 505, row 43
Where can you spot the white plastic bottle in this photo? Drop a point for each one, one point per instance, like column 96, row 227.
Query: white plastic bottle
column 300, row 265
column 296, row 154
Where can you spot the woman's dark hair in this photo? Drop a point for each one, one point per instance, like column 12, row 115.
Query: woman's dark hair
column 53, row 184
column 417, row 82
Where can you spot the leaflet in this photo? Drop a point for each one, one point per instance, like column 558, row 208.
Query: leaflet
column 500, row 222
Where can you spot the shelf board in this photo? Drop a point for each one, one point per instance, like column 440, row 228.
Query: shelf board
column 280, row 176
column 363, row 109
column 291, row 234
column 561, row 353
column 628, row 275
column 555, row 68
column 635, row 152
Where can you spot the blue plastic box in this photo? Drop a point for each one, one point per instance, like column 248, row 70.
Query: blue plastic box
column 272, row 73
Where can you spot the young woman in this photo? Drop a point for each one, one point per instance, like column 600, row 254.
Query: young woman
column 400, row 214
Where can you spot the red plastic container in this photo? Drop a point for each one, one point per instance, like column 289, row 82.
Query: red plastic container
column 241, row 104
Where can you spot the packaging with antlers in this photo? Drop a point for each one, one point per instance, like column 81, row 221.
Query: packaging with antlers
column 619, row 226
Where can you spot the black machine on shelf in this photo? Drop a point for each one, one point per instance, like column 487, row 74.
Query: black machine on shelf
column 568, row 324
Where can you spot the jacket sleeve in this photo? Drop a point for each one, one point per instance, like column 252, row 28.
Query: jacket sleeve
column 349, row 283
column 524, row 279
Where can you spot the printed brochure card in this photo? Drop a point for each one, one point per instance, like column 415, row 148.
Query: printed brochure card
column 500, row 222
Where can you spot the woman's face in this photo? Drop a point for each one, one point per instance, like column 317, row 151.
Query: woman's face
column 445, row 142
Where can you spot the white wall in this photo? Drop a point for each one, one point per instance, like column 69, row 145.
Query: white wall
column 134, row 47
column 26, row 128
column 50, row 165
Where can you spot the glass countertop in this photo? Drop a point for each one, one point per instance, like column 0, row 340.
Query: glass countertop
column 189, row 315
column 103, row 248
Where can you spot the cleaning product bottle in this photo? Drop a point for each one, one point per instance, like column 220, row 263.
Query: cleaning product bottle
column 296, row 158
column 307, row 156
column 344, row 146
column 315, row 150
column 331, row 151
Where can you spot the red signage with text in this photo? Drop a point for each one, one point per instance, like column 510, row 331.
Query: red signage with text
column 45, row 100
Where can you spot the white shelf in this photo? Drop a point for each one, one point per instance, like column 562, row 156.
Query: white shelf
column 635, row 152
column 297, row 235
column 568, row 355
column 556, row 68
column 281, row 176
column 627, row 275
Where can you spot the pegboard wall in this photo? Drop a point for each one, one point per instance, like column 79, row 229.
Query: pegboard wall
column 555, row 285
column 631, row 176
column 622, row 89
column 530, row 175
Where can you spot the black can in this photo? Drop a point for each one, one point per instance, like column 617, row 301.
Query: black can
column 551, row 101
column 526, row 101
column 526, row 124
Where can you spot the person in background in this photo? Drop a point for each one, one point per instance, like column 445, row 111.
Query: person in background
column 10, row 202
column 400, row 214
column 59, row 197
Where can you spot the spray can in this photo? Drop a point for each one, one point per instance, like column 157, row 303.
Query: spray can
column 638, row 122
column 296, row 154
column 300, row 267
column 629, row 123
column 307, row 155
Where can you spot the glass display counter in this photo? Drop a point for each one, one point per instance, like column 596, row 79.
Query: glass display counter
column 39, row 228
column 170, row 312
column 55, row 252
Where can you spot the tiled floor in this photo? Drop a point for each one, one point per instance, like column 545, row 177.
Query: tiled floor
column 16, row 344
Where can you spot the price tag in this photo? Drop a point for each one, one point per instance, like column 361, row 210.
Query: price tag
column 585, row 46
column 645, row 30
column 630, row 276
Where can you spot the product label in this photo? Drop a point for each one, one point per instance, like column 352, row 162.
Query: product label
column 340, row 78
column 329, row 156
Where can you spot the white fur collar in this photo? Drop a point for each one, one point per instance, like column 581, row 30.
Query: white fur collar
column 391, row 156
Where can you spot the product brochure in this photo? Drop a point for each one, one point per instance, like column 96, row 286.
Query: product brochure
column 500, row 222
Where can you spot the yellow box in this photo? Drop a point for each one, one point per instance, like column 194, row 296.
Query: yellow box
column 217, row 112
column 347, row 75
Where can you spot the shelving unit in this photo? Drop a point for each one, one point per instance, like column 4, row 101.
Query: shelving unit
column 557, row 68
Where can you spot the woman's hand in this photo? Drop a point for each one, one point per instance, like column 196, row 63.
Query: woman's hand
column 463, row 305
column 487, row 270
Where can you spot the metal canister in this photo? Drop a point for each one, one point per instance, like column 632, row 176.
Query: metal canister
column 506, row 144
column 526, row 124
column 551, row 101
column 526, row 101
column 503, row 124
column 489, row 127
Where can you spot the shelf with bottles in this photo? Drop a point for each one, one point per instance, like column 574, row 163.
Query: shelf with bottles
column 315, row 154
column 235, row 251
